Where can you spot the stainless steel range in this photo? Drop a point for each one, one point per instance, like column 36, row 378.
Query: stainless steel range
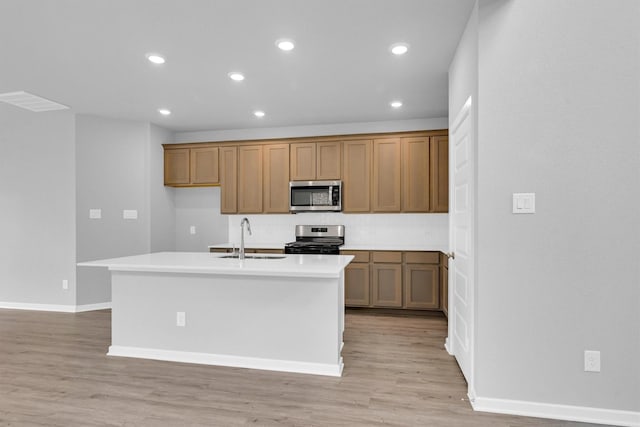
column 316, row 239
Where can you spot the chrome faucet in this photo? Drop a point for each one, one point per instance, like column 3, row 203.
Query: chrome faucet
column 244, row 220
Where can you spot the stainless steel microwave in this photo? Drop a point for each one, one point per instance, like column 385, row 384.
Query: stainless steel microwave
column 315, row 196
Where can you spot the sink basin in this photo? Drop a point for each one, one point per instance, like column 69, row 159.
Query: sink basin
column 253, row 256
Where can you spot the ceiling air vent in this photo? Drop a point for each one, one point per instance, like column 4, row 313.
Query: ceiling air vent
column 30, row 102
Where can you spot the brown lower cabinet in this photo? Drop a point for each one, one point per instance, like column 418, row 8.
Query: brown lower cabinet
column 393, row 279
column 444, row 284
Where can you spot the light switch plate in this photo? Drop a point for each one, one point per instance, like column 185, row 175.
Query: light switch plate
column 95, row 213
column 130, row 214
column 524, row 203
column 591, row 361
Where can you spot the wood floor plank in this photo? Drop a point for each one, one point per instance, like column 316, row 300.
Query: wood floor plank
column 54, row 372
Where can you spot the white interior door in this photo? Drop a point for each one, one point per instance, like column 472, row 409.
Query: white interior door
column 461, row 267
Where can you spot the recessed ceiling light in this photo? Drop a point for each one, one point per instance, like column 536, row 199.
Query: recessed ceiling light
column 164, row 111
column 285, row 44
column 234, row 75
column 396, row 104
column 399, row 48
column 155, row 58
column 258, row 113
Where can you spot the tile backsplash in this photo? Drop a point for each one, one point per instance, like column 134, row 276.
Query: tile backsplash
column 360, row 229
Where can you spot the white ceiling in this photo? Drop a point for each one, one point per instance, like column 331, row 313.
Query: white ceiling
column 90, row 55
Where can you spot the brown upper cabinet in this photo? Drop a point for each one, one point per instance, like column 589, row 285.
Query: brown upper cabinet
column 176, row 167
column 229, row 180
column 439, row 174
column 399, row 172
column 315, row 161
column 191, row 166
column 276, row 178
column 356, row 174
column 385, row 191
column 415, row 174
column 250, row 179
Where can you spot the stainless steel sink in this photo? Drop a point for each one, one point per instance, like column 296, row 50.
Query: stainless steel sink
column 236, row 256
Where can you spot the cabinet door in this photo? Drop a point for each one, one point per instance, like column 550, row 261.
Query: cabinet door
column 228, row 180
column 444, row 290
column 204, row 165
column 276, row 178
column 303, row 161
column 356, row 174
column 439, row 174
column 444, row 284
column 415, row 174
column 176, row 166
column 250, row 179
column 328, row 160
column 386, row 175
column 356, row 285
column 421, row 286
column 387, row 285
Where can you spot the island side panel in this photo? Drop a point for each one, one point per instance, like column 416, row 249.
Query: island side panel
column 275, row 318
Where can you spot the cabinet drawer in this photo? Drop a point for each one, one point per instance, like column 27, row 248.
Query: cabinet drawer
column 359, row 256
column 422, row 257
column 387, row 256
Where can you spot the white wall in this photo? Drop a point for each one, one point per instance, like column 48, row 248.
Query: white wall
column 199, row 207
column 112, row 159
column 559, row 114
column 162, row 209
column 37, row 199
column 312, row 130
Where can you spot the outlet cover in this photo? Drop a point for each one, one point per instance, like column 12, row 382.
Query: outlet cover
column 192, row 229
column 591, row 361
column 95, row 213
column 65, row 284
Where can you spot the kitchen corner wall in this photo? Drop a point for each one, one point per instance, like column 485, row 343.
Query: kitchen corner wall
column 202, row 206
column 119, row 167
column 199, row 208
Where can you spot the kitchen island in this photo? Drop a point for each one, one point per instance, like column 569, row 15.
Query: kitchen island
column 280, row 312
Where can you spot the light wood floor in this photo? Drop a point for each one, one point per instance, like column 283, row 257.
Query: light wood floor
column 54, row 372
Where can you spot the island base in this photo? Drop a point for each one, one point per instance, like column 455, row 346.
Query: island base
column 292, row 324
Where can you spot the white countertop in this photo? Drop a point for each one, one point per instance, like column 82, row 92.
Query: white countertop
column 269, row 245
column 324, row 266
column 347, row 247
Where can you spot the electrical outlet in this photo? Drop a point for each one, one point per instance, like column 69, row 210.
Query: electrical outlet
column 65, row 284
column 192, row 229
column 181, row 319
column 591, row 361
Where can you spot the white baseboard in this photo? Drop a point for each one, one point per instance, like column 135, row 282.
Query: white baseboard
column 231, row 361
column 557, row 412
column 55, row 307
column 93, row 307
